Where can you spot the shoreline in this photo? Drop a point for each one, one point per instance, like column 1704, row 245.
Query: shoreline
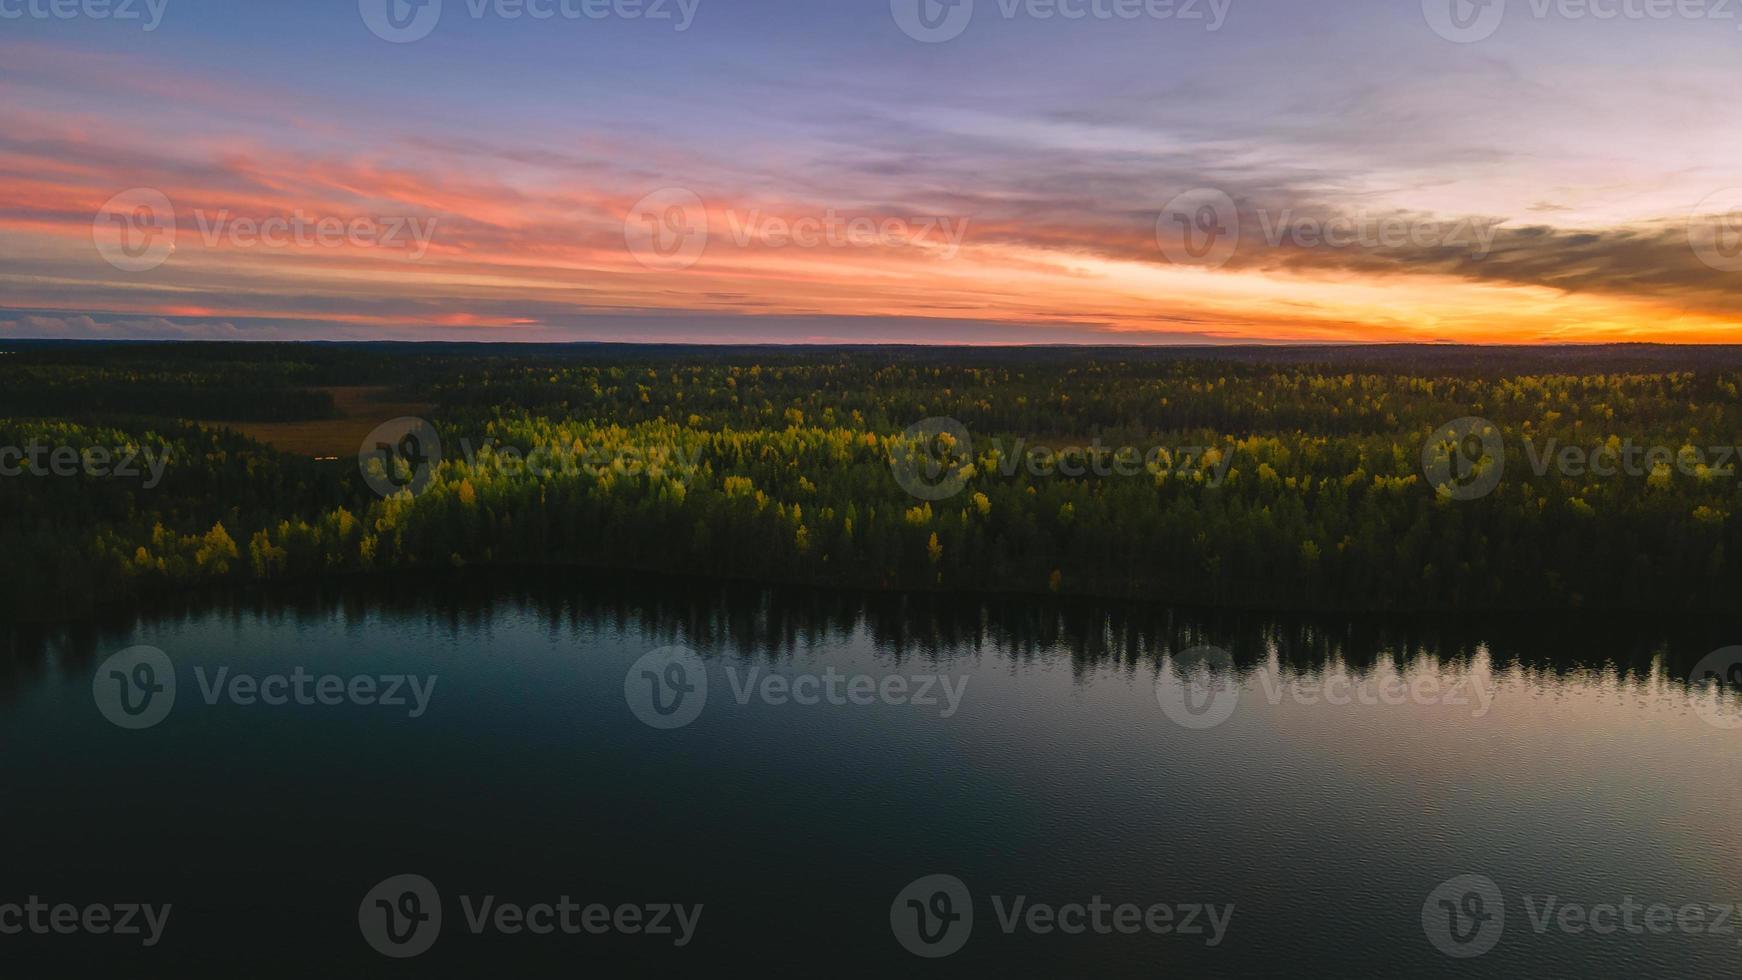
column 480, row 586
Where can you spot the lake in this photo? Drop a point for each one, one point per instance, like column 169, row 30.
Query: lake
column 458, row 774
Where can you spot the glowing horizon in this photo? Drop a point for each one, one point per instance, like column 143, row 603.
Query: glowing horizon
column 1561, row 181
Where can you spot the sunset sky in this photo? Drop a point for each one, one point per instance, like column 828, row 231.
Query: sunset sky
column 1561, row 178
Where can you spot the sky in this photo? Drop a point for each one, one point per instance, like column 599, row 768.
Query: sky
column 913, row 171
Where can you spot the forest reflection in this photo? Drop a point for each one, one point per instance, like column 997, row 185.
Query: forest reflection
column 775, row 623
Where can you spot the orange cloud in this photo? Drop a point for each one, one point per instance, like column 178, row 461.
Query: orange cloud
column 519, row 246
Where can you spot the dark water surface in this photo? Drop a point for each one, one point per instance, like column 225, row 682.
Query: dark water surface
column 1565, row 761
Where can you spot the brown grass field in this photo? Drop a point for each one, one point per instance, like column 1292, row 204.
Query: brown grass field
column 359, row 413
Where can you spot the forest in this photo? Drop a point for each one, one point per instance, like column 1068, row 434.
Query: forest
column 1294, row 478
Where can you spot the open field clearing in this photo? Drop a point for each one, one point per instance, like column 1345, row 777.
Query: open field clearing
column 359, row 413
